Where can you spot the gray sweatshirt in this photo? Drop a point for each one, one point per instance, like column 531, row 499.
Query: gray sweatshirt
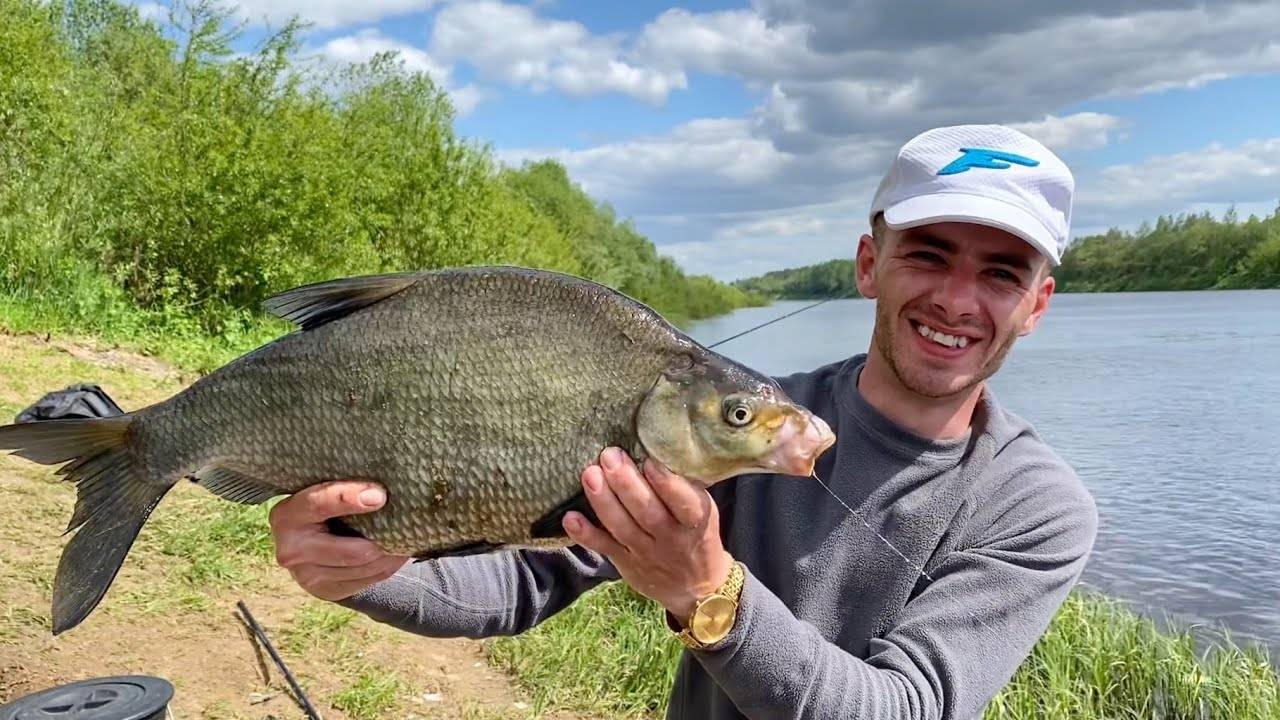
column 833, row 623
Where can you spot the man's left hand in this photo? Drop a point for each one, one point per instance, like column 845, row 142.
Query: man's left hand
column 660, row 531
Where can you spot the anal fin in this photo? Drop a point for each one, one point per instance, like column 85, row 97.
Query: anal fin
column 551, row 525
column 236, row 487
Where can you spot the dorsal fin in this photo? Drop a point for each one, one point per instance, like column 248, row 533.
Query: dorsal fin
column 318, row 303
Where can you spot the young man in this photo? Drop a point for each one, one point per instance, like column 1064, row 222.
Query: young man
column 791, row 605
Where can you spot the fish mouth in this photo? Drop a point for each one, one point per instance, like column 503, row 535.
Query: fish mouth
column 801, row 441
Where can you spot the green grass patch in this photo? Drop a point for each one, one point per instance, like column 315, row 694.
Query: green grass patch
column 607, row 654
column 372, row 694
column 321, row 626
column 218, row 541
column 610, row 654
column 172, row 336
column 1101, row 659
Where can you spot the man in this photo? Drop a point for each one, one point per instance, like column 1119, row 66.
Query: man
column 791, row 606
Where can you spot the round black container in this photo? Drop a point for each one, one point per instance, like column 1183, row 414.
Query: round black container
column 127, row 697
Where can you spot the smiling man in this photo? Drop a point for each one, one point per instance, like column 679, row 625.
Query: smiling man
column 791, row 606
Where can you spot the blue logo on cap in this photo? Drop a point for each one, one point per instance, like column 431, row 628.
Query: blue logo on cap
column 982, row 158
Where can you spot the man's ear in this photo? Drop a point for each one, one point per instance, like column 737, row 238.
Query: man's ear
column 864, row 266
column 1043, row 293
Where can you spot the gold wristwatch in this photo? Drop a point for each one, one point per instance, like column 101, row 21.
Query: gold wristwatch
column 714, row 614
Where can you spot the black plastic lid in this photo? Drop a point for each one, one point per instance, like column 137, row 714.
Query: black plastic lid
column 127, row 697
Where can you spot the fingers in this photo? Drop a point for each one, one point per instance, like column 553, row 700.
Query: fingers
column 324, row 575
column 609, row 509
column 583, row 532
column 336, row 584
column 320, row 548
column 634, row 493
column 687, row 503
column 320, row 502
column 326, row 565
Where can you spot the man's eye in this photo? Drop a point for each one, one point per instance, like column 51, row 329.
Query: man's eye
column 1005, row 275
column 924, row 256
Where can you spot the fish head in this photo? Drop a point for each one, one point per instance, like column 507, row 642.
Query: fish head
column 710, row 419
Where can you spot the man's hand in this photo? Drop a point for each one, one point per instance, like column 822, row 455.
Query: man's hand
column 661, row 531
column 326, row 565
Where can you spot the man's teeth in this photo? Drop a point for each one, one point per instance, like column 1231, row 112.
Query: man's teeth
column 942, row 338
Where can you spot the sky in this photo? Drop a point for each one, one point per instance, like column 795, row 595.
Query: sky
column 743, row 137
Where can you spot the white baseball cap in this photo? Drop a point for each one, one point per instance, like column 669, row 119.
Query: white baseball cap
column 986, row 174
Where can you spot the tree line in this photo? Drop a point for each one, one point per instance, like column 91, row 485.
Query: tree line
column 1184, row 252
column 151, row 164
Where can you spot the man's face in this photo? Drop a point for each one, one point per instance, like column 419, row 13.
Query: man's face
column 951, row 299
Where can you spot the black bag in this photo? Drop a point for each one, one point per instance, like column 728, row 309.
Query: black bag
column 82, row 400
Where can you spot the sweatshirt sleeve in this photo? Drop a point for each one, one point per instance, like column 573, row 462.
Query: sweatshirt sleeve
column 500, row 593
column 953, row 646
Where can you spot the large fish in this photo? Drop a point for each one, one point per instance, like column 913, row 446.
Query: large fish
column 476, row 396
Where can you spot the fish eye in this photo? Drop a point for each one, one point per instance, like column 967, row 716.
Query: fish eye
column 737, row 413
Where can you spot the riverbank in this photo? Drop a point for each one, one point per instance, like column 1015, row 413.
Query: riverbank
column 608, row 655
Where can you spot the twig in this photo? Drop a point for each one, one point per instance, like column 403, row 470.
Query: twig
column 262, row 637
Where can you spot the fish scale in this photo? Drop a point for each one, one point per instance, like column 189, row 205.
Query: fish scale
column 516, row 401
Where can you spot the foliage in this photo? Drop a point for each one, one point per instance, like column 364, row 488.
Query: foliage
column 610, row 654
column 155, row 180
column 1188, row 252
column 831, row 279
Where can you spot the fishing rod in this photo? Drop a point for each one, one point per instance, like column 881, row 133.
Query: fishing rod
column 846, row 296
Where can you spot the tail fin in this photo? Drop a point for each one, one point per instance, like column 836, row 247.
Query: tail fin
column 112, row 503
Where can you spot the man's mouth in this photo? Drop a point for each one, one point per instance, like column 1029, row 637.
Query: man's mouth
column 939, row 337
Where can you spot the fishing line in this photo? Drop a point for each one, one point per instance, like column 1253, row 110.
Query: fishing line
column 883, row 539
column 782, row 317
column 853, row 512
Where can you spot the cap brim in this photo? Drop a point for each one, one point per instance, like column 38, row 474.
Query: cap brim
column 955, row 207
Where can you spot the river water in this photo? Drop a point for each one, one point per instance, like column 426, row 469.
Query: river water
column 1168, row 407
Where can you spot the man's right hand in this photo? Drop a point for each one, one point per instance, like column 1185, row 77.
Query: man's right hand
column 329, row 566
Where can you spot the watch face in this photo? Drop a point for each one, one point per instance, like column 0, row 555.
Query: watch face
column 713, row 619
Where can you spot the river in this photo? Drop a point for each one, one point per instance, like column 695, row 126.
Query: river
column 1166, row 404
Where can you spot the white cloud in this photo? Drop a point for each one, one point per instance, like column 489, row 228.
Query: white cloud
column 837, row 68
column 1246, row 173
column 717, row 156
column 513, row 44
column 327, row 14
column 737, row 42
column 789, row 225
column 366, row 43
column 1084, row 130
column 363, row 45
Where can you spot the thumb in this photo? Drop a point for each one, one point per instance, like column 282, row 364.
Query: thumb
column 321, row 502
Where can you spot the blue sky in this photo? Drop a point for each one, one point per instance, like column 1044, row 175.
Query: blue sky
column 744, row 137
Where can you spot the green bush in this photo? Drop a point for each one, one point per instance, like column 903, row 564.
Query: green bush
column 156, row 184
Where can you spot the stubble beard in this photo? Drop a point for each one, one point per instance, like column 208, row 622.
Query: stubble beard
column 885, row 338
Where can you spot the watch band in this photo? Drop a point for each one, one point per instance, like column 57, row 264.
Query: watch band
column 715, row 614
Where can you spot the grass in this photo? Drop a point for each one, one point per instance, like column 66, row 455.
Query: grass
column 177, row 339
column 320, row 626
column 609, row 654
column 374, row 691
column 1100, row 659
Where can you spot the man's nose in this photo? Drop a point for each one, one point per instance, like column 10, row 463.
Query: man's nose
column 957, row 296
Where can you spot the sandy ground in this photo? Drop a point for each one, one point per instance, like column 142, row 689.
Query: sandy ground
column 151, row 624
